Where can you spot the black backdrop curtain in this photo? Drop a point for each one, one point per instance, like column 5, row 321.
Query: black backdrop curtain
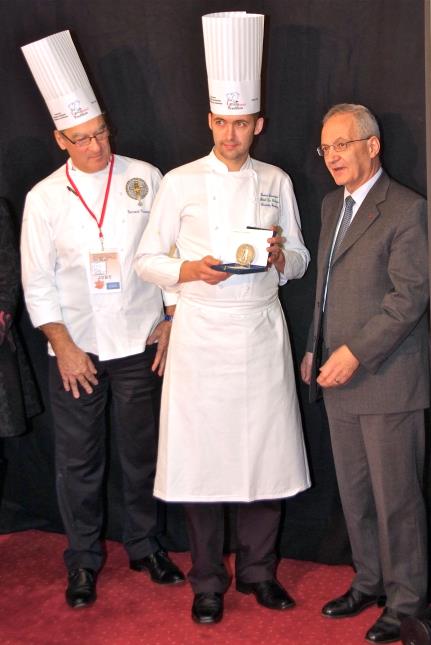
column 146, row 63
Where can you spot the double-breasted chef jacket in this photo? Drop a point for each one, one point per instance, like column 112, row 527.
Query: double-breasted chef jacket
column 58, row 235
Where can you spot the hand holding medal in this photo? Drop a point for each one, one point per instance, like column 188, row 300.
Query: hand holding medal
column 248, row 252
column 204, row 269
column 275, row 250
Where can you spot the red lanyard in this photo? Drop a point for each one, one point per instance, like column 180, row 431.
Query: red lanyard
column 105, row 201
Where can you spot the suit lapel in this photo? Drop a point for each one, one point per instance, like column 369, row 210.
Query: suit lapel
column 367, row 214
column 331, row 216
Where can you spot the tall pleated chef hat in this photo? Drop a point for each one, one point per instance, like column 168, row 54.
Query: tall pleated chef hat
column 62, row 80
column 233, row 52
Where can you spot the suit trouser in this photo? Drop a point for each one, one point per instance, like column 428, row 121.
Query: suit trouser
column 80, row 450
column 379, row 462
column 257, row 526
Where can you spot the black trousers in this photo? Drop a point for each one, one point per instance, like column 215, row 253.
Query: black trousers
column 257, row 526
column 80, row 451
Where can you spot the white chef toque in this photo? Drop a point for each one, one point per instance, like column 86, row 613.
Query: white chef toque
column 233, row 52
column 62, row 81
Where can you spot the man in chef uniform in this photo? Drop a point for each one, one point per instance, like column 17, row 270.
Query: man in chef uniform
column 230, row 424
column 105, row 328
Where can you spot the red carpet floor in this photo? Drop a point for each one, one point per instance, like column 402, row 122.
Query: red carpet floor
column 131, row 610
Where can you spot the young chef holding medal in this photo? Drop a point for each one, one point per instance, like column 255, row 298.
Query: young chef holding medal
column 230, row 424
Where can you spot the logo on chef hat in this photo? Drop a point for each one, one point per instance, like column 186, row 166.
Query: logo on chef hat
column 233, row 101
column 76, row 110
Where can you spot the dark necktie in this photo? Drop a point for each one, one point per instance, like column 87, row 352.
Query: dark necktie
column 349, row 202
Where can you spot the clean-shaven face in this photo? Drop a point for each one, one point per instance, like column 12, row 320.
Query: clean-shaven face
column 359, row 162
column 233, row 136
column 93, row 157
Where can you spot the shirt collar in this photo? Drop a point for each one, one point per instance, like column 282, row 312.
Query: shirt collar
column 221, row 167
column 360, row 193
column 87, row 175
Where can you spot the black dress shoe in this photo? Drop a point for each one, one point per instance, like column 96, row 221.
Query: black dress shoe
column 416, row 631
column 386, row 629
column 269, row 593
column 160, row 567
column 207, row 608
column 349, row 604
column 81, row 590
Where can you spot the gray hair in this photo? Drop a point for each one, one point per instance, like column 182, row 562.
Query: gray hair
column 365, row 120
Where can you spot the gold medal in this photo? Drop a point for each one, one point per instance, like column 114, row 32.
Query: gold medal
column 245, row 254
column 136, row 188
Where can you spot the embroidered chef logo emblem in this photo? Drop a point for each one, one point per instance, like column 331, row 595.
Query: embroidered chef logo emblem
column 245, row 254
column 136, row 188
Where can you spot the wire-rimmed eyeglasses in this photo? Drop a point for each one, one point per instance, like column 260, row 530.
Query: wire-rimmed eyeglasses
column 84, row 142
column 322, row 151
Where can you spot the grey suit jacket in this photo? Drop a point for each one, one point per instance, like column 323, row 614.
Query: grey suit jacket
column 377, row 300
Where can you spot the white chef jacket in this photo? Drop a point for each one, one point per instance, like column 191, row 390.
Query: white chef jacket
column 230, row 427
column 58, row 234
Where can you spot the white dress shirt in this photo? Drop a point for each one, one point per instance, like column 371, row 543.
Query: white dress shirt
column 358, row 196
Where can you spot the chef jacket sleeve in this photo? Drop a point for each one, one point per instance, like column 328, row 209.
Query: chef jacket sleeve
column 296, row 254
column 38, row 263
column 154, row 261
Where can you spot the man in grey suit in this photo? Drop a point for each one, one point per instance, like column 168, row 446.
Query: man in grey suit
column 368, row 353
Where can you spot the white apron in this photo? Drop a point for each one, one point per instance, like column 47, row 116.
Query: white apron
column 230, row 427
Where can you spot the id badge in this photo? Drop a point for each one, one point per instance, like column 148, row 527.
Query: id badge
column 105, row 272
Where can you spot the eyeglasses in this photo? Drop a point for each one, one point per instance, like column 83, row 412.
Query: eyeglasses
column 322, row 151
column 84, row 142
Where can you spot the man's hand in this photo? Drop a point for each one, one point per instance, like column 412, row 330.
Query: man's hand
column 201, row 270
column 75, row 366
column 160, row 335
column 276, row 255
column 339, row 368
column 306, row 364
